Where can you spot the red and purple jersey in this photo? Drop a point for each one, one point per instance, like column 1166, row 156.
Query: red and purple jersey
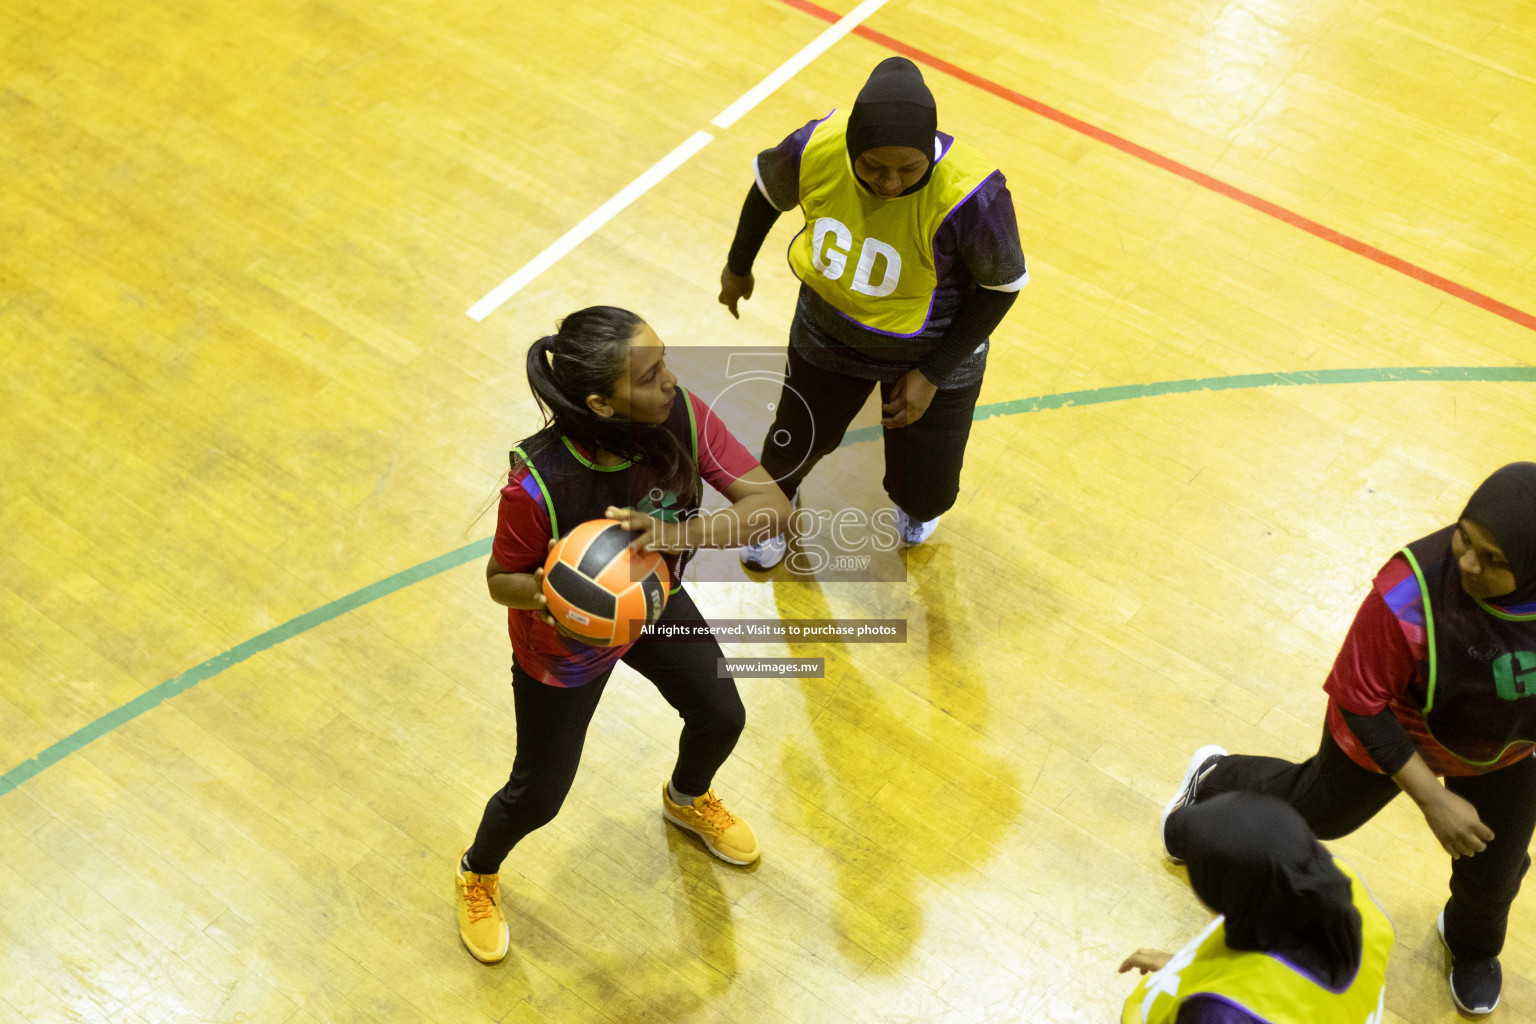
column 1382, row 665
column 521, row 543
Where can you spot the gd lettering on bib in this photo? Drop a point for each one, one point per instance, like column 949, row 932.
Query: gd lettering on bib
column 872, row 259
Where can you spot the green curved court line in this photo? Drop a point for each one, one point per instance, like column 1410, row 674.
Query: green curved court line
column 482, row 548
column 1125, row 392
column 235, row 655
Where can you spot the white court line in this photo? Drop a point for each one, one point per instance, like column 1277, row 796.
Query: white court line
column 669, row 163
column 581, row 232
column 790, row 68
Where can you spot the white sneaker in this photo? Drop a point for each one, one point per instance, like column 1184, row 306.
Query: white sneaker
column 1200, row 765
column 767, row 553
column 914, row 532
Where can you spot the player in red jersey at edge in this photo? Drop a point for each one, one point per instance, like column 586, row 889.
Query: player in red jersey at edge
column 1435, row 679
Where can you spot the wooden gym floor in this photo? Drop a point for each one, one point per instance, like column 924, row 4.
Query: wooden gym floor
column 241, row 398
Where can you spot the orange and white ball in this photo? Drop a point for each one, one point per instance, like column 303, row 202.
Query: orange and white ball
column 598, row 590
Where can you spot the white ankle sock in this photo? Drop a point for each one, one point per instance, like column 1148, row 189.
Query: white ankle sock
column 680, row 798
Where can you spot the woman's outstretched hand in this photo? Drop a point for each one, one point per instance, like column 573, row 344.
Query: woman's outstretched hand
column 651, row 533
column 1452, row 819
column 1455, row 822
column 543, row 608
column 734, row 288
column 910, row 398
column 1145, row 960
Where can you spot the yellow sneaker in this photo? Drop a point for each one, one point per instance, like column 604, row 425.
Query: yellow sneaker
column 481, row 924
column 726, row 836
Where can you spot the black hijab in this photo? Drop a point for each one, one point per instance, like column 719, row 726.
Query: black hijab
column 1253, row 859
column 894, row 108
column 1505, row 506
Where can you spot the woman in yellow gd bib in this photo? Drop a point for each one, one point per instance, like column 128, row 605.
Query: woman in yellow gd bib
column 908, row 260
column 1298, row 940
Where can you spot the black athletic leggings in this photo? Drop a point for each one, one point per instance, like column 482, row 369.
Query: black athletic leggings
column 1336, row 796
column 552, row 727
column 922, row 461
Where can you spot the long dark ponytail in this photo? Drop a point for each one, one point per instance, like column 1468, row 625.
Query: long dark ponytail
column 588, row 354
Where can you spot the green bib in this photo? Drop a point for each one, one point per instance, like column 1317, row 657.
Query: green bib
column 871, row 259
column 1265, row 986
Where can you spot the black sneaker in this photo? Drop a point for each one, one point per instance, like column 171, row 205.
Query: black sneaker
column 1200, row 766
column 1475, row 984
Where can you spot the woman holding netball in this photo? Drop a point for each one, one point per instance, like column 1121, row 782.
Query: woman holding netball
column 1435, row 679
column 909, row 259
column 620, row 435
column 1298, row 940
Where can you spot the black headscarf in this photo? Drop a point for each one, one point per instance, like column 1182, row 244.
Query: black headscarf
column 1505, row 506
column 894, row 108
column 1253, row 859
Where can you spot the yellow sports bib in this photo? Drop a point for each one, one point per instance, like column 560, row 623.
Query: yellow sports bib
column 871, row 259
column 1265, row 986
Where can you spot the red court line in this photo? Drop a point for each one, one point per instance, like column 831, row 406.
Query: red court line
column 1248, row 199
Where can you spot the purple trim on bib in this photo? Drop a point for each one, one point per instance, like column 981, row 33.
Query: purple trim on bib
column 1407, row 601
